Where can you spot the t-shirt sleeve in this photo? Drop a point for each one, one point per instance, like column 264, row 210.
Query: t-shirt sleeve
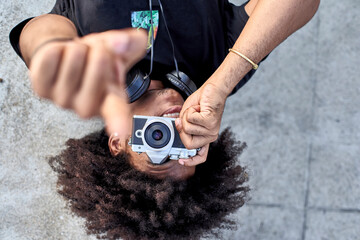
column 15, row 36
column 62, row 7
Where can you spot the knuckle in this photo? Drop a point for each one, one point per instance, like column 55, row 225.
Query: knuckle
column 192, row 118
column 71, row 46
column 51, row 53
column 186, row 126
column 187, row 144
column 198, row 132
column 190, row 145
column 62, row 101
column 41, row 92
column 186, row 114
column 89, row 38
column 39, row 89
column 46, row 57
column 76, row 50
column 84, row 110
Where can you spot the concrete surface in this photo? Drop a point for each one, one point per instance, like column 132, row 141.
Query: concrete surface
column 299, row 115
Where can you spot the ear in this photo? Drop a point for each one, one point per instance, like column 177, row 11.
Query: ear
column 115, row 144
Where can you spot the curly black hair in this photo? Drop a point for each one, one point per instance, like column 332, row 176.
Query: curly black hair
column 119, row 201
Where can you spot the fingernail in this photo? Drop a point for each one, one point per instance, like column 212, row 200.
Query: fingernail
column 178, row 121
column 181, row 162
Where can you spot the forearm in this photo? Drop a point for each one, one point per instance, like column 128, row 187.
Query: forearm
column 270, row 23
column 42, row 29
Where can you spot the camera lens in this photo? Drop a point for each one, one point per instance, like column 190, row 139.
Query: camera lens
column 157, row 135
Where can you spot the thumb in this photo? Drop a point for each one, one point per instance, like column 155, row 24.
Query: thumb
column 178, row 125
column 117, row 116
column 129, row 45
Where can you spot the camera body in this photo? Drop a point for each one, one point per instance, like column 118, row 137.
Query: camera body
column 158, row 137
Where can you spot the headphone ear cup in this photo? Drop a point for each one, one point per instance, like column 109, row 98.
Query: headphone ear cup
column 183, row 82
column 137, row 84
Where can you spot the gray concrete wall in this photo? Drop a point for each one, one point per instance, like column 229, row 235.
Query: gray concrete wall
column 299, row 115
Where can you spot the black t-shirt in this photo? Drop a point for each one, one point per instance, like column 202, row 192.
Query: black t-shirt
column 202, row 30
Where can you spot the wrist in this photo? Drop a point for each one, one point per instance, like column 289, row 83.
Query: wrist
column 218, row 84
column 230, row 73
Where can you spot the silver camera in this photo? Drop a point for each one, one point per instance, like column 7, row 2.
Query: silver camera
column 158, row 137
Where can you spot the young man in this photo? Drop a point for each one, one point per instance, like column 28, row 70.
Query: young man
column 79, row 54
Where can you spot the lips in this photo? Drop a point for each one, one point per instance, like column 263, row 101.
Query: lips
column 172, row 112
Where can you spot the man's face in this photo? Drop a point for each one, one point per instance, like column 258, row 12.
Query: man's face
column 158, row 101
column 162, row 102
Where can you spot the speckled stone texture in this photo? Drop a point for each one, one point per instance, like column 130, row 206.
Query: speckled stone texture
column 299, row 116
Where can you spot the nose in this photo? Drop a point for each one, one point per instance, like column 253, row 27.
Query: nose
column 170, row 94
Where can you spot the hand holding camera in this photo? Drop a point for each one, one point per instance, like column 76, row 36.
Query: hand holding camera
column 200, row 117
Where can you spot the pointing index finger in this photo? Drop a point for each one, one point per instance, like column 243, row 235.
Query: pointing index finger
column 116, row 114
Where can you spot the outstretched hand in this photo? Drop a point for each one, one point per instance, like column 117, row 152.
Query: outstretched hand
column 88, row 74
column 200, row 118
